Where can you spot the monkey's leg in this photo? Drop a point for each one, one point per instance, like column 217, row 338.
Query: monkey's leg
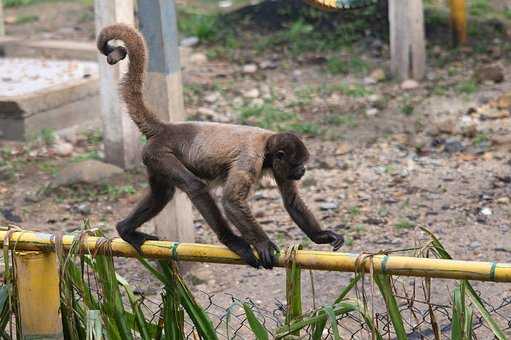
column 236, row 192
column 160, row 194
column 304, row 218
column 198, row 193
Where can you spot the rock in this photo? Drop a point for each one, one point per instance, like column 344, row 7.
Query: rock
column 253, row 93
column 369, row 81
column 501, row 139
column 491, row 73
column 89, row 171
column 453, row 146
column 491, row 113
column 63, row 149
column 329, row 206
column 504, row 102
column 84, row 209
column 503, row 200
column 377, row 75
column 256, row 102
column 189, row 41
column 342, row 149
column 268, row 65
column 249, row 68
column 474, row 245
column 198, row 58
column 212, row 97
column 376, row 101
column 409, row 84
column 10, row 215
column 208, row 114
column 486, row 211
column 327, row 163
column 372, row 112
column 238, row 102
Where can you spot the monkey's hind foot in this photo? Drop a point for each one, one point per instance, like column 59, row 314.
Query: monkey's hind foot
column 267, row 250
column 243, row 250
column 137, row 239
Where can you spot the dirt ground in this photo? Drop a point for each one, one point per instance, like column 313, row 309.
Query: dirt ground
column 387, row 157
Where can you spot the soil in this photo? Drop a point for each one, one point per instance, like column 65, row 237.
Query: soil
column 434, row 156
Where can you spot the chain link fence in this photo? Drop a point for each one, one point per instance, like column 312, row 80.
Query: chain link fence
column 426, row 312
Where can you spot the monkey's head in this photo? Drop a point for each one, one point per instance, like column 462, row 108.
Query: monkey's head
column 287, row 155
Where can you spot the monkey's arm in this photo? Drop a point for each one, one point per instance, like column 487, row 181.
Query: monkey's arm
column 235, row 196
column 303, row 217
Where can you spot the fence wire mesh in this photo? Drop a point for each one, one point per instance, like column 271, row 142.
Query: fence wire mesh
column 426, row 312
column 425, row 306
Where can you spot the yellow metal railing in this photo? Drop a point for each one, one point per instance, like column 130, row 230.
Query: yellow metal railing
column 307, row 259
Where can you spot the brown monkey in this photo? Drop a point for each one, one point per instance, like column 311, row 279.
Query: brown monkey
column 193, row 156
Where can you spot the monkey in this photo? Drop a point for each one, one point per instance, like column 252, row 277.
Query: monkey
column 197, row 156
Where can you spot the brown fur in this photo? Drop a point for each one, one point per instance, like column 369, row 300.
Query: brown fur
column 193, row 156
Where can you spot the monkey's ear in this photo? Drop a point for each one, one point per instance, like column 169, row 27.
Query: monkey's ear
column 280, row 154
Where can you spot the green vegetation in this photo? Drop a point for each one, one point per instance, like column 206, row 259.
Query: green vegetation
column 467, row 87
column 405, row 224
column 48, row 136
column 480, row 139
column 354, row 65
column 25, row 19
column 267, row 116
column 204, row 27
column 479, row 7
column 97, row 302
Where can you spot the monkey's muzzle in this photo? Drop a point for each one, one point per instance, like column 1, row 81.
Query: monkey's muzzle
column 297, row 173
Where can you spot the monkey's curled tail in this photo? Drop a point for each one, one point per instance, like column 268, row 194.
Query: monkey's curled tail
column 132, row 82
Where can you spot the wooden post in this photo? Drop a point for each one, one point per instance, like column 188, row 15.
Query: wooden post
column 2, row 24
column 407, row 41
column 37, row 281
column 121, row 137
column 458, row 21
column 163, row 91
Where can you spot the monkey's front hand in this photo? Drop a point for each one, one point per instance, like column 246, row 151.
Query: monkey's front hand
column 328, row 236
column 266, row 250
column 243, row 249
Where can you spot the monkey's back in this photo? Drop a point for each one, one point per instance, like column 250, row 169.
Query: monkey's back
column 210, row 149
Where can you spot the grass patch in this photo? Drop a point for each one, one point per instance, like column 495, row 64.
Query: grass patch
column 480, row 139
column 269, row 117
column 405, row 224
column 352, row 65
column 204, row 27
column 467, row 87
column 341, row 120
column 25, row 19
column 48, row 136
column 479, row 7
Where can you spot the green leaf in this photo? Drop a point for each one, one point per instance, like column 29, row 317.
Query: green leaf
column 457, row 315
column 383, row 282
column 333, row 321
column 259, row 331
column 471, row 293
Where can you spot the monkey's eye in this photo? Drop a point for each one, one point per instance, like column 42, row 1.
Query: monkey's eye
column 280, row 154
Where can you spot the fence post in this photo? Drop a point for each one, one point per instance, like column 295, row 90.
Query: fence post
column 37, row 281
column 458, row 21
column 407, row 40
column 121, row 137
column 163, row 91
